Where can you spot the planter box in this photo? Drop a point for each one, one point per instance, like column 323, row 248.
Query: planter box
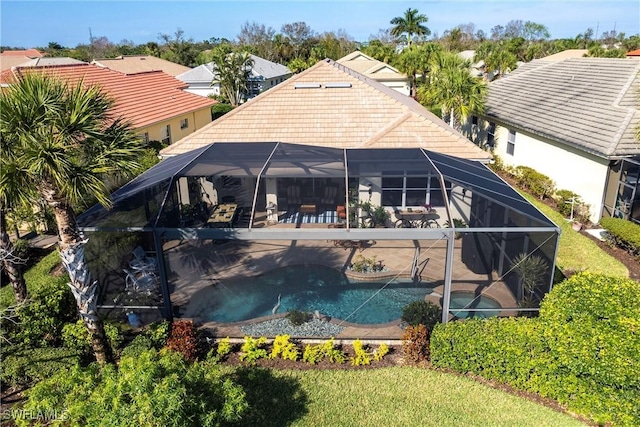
column 370, row 277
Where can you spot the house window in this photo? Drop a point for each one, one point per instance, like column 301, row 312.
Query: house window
column 405, row 191
column 184, row 123
column 511, row 142
column 166, row 135
column 491, row 131
column 146, row 137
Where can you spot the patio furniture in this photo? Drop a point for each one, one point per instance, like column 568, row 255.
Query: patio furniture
column 223, row 215
column 141, row 281
column 308, row 209
column 141, row 261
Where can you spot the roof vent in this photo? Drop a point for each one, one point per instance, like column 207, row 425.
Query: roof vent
column 337, row 85
column 307, row 85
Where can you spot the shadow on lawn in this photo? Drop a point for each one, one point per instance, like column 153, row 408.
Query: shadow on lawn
column 273, row 401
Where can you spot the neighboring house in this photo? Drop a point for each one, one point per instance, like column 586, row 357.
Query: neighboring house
column 633, row 53
column 153, row 102
column 477, row 68
column 377, row 70
column 566, row 54
column 263, row 76
column 574, row 121
column 13, row 58
column 50, row 61
column 131, row 64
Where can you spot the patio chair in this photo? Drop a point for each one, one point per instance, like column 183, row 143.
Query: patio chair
column 141, row 261
column 140, row 281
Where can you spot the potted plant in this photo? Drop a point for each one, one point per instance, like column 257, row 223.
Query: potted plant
column 380, row 216
column 531, row 270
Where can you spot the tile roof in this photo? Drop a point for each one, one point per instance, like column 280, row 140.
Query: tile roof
column 634, row 53
column 51, row 61
column 261, row 69
column 331, row 105
column 9, row 61
column 31, row 53
column 131, row 64
column 201, row 74
column 566, row 54
column 267, row 69
column 589, row 103
column 143, row 98
column 370, row 67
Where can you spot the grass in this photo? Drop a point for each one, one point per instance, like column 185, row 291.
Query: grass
column 397, row 396
column 36, row 277
column 577, row 252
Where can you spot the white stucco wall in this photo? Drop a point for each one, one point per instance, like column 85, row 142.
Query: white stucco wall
column 570, row 168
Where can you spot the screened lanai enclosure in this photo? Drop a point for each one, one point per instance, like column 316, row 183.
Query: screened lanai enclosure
column 236, row 235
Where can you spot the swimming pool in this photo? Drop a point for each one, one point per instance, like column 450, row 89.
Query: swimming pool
column 467, row 300
column 309, row 288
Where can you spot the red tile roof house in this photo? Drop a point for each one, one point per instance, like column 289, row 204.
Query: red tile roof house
column 12, row 58
column 153, row 102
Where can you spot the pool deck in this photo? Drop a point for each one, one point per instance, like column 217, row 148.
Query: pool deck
column 197, row 266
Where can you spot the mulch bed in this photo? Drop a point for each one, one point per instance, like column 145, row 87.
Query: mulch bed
column 632, row 264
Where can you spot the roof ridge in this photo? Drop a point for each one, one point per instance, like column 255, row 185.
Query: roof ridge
column 388, row 128
column 627, row 86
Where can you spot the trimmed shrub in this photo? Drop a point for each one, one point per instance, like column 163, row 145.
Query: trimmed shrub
column 183, row 339
column 422, row 313
column 415, row 343
column 152, row 389
column 583, row 350
column 297, row 317
column 623, row 233
column 538, row 184
column 563, row 201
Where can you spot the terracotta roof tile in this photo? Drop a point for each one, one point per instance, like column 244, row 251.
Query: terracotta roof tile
column 363, row 114
column 131, row 64
column 31, row 53
column 143, row 98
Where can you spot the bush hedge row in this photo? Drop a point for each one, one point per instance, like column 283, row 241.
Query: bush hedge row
column 623, row 233
column 151, row 388
column 583, row 350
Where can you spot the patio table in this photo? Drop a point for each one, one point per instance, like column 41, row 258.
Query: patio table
column 223, row 215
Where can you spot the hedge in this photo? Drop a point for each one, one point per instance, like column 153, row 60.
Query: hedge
column 623, row 233
column 583, row 350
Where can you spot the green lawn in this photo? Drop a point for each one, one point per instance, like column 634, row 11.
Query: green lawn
column 398, row 396
column 577, row 252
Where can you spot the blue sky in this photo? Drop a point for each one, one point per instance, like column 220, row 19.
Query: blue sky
column 28, row 23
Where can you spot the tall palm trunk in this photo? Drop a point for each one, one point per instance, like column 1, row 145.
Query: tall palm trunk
column 12, row 268
column 85, row 291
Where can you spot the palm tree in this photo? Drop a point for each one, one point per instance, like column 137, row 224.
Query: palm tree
column 67, row 144
column 11, row 194
column 416, row 61
column 411, row 23
column 232, row 74
column 453, row 88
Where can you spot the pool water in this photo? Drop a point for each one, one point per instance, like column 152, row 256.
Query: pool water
column 468, row 301
column 309, row 288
